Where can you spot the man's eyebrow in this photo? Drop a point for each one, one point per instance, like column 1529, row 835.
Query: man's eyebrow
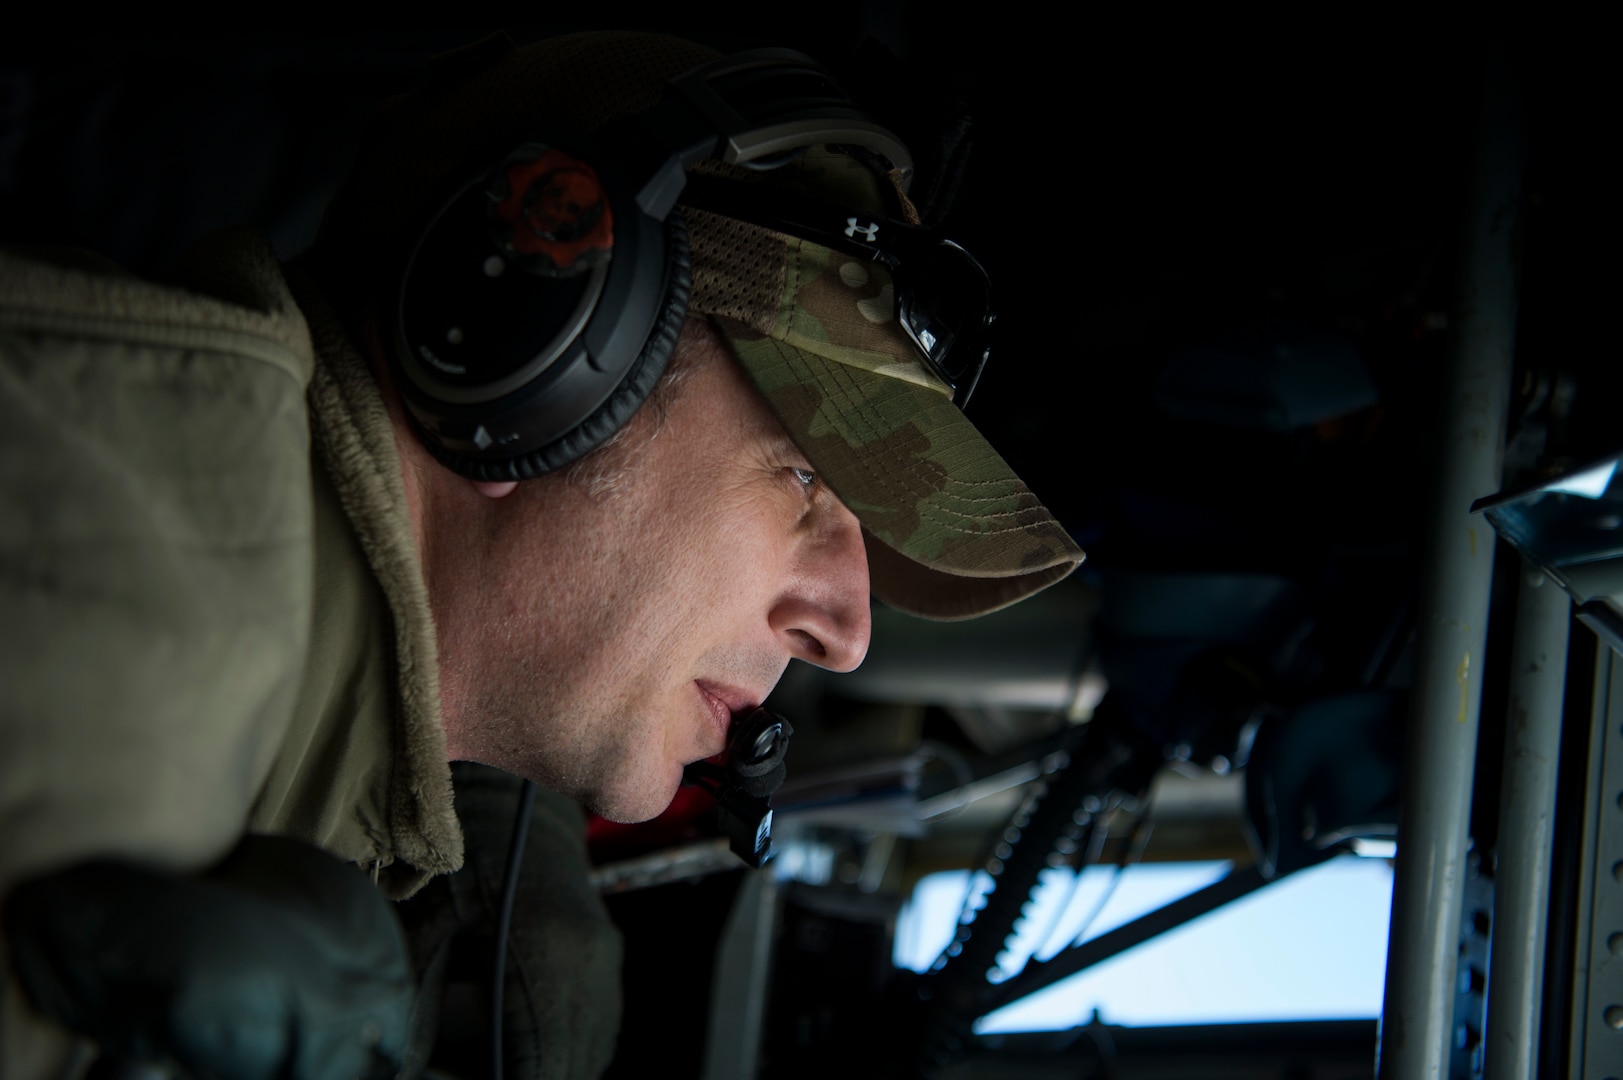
column 781, row 444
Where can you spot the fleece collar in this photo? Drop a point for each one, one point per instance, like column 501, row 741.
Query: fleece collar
column 356, row 439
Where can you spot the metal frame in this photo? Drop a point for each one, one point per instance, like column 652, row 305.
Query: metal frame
column 1596, row 1037
column 1417, row 1014
column 1526, row 826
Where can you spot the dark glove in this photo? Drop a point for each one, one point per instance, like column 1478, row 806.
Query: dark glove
column 280, row 962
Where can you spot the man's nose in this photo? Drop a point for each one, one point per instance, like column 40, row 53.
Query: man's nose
column 824, row 617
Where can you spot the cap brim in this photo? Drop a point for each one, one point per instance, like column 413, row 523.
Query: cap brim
column 951, row 531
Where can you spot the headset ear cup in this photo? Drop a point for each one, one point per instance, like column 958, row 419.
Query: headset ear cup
column 626, row 399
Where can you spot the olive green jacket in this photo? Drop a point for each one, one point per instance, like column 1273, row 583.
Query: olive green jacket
column 205, row 628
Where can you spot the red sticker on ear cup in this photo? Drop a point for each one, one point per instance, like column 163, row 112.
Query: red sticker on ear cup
column 550, row 212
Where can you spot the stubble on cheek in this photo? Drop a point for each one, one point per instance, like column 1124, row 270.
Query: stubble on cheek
column 582, row 712
column 590, row 633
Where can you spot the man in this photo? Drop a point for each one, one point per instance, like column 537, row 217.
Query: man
column 217, row 630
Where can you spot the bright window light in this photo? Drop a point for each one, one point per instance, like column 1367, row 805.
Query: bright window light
column 1591, row 483
column 1310, row 947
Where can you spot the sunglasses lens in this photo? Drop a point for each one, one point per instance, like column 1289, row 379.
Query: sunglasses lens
column 947, row 311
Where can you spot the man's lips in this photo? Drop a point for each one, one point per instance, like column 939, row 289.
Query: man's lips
column 724, row 703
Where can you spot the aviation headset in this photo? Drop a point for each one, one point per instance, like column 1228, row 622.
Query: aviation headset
column 542, row 302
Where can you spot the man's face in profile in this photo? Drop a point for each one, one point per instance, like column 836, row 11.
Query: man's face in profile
column 603, row 666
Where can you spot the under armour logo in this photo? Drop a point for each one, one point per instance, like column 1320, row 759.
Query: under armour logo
column 868, row 231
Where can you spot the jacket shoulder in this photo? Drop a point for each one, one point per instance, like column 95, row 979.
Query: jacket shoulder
column 234, row 300
column 155, row 554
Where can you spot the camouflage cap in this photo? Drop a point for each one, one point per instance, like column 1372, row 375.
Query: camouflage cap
column 951, row 531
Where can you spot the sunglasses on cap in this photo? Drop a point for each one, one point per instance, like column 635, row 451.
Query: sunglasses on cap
column 943, row 296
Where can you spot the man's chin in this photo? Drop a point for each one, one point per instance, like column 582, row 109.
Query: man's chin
column 633, row 803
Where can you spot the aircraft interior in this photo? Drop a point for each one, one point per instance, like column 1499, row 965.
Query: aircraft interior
column 1300, row 339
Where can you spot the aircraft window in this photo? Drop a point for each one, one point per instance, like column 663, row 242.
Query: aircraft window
column 1312, row 946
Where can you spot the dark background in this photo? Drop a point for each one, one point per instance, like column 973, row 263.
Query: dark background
column 1134, row 187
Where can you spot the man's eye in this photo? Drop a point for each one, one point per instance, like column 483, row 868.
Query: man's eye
column 806, row 477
